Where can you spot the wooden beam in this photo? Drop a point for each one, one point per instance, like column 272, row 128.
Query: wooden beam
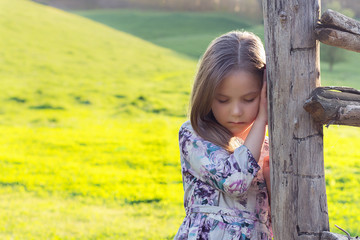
column 338, row 38
column 340, row 21
column 335, row 236
column 298, row 204
column 338, row 30
column 334, row 105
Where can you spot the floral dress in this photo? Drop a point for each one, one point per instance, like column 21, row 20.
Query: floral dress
column 225, row 194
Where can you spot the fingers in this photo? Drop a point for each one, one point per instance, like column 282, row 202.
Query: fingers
column 264, row 76
column 264, row 97
column 266, row 163
column 262, row 111
column 264, row 88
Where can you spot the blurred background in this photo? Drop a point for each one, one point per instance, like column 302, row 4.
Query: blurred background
column 93, row 95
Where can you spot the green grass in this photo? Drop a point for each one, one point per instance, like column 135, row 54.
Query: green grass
column 343, row 177
column 190, row 33
column 344, row 73
column 185, row 32
column 119, row 179
column 89, row 118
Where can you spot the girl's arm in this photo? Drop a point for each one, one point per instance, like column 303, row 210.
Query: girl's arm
column 255, row 138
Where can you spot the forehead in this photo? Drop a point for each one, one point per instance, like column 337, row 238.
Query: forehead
column 239, row 82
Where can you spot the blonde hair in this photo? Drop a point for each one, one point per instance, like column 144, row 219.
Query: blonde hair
column 230, row 52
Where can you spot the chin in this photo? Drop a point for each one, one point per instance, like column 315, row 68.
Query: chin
column 238, row 134
column 241, row 134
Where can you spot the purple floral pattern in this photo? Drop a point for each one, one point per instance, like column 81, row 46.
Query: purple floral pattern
column 225, row 194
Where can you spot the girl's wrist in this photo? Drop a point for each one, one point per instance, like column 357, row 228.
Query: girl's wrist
column 260, row 121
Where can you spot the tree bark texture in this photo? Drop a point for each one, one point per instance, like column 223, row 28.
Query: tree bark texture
column 299, row 203
column 334, row 105
column 338, row 30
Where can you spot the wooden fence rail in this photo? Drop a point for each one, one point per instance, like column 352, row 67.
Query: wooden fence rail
column 334, row 105
column 338, row 30
column 335, row 236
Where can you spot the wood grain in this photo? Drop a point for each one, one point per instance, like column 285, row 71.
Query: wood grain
column 299, row 203
column 338, row 30
column 341, row 107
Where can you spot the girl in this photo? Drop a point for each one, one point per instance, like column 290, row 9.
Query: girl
column 222, row 147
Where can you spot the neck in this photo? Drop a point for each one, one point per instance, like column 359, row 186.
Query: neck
column 244, row 134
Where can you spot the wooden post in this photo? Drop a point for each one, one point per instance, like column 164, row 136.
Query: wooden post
column 298, row 204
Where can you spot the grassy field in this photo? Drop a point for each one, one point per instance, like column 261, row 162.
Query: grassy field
column 184, row 32
column 89, row 116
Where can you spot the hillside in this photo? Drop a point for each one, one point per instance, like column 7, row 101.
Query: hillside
column 188, row 33
column 61, row 62
column 88, row 128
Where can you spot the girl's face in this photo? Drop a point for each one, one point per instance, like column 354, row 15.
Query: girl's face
column 236, row 102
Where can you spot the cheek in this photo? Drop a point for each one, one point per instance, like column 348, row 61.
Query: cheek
column 219, row 111
column 215, row 109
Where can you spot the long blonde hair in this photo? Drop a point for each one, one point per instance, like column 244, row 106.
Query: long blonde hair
column 230, row 52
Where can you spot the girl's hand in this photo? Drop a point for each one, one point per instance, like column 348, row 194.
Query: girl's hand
column 266, row 173
column 263, row 113
column 255, row 138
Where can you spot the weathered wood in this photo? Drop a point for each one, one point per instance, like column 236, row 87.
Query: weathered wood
column 334, row 236
column 340, row 21
column 299, row 204
column 338, row 30
column 327, row 106
column 338, row 38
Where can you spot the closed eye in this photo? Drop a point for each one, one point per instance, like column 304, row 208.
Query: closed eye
column 222, row 101
column 249, row 100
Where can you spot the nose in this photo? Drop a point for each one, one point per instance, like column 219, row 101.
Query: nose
column 237, row 109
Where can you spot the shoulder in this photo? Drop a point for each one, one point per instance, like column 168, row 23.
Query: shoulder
column 186, row 126
column 188, row 136
column 187, row 130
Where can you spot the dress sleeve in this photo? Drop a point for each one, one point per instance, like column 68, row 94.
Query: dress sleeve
column 229, row 173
